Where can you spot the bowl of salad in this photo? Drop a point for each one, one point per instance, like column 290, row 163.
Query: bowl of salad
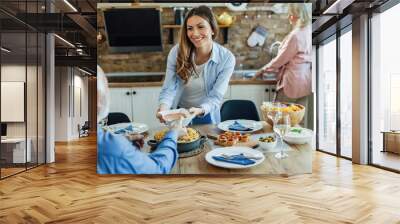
column 298, row 135
column 267, row 142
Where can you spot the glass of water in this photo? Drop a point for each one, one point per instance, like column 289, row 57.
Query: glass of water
column 281, row 127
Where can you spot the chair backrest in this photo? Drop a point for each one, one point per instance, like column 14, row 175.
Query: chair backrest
column 117, row 117
column 86, row 126
column 239, row 109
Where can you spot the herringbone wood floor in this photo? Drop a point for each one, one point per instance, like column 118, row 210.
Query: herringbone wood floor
column 70, row 191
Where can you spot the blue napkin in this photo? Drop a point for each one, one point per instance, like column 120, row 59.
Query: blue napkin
column 236, row 159
column 236, row 126
column 129, row 128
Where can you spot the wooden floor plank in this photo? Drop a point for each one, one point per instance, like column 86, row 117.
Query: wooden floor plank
column 70, row 191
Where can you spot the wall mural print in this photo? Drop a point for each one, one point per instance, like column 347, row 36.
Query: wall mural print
column 195, row 88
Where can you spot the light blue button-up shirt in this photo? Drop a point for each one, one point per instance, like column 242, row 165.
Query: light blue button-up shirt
column 217, row 73
column 117, row 155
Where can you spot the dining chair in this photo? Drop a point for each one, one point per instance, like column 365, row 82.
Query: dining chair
column 239, row 109
column 117, row 117
column 84, row 129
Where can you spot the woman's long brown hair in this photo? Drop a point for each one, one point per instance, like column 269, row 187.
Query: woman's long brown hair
column 184, row 62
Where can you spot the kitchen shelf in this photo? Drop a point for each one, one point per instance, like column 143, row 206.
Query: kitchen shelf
column 171, row 27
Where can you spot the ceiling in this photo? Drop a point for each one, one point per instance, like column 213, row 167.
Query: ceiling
column 332, row 15
column 75, row 23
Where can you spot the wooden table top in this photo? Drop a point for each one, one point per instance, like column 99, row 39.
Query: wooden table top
column 299, row 160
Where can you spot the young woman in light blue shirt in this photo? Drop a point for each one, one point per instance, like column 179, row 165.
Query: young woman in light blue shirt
column 198, row 69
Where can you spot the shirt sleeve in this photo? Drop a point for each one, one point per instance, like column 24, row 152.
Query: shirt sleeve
column 171, row 81
column 161, row 161
column 166, row 152
column 286, row 53
column 125, row 158
column 214, row 99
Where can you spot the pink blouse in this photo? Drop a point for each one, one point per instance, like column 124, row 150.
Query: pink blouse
column 293, row 63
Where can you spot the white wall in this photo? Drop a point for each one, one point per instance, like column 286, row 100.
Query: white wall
column 70, row 83
column 33, row 126
column 13, row 73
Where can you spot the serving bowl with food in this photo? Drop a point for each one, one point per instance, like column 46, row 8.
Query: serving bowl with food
column 298, row 135
column 229, row 138
column 295, row 111
column 191, row 141
column 267, row 142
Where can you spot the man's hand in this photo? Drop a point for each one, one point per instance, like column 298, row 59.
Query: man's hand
column 137, row 139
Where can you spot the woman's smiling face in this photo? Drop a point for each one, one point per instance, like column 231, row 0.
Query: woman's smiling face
column 199, row 31
column 292, row 18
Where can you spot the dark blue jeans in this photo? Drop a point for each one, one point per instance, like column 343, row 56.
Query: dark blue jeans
column 202, row 120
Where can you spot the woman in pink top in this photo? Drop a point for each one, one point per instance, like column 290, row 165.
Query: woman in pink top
column 293, row 62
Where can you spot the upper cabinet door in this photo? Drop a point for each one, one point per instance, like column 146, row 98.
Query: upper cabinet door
column 121, row 101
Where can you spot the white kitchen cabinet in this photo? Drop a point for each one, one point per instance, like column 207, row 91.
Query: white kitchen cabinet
column 270, row 91
column 145, row 105
column 121, row 101
column 256, row 93
column 139, row 103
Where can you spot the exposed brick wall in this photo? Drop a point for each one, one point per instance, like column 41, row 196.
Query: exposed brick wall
column 251, row 58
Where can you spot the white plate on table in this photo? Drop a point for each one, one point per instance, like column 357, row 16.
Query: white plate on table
column 138, row 128
column 254, row 125
column 234, row 150
column 302, row 137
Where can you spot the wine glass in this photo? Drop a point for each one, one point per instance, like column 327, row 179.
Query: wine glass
column 275, row 111
column 281, row 127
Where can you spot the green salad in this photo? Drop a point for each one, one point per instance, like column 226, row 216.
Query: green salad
column 296, row 130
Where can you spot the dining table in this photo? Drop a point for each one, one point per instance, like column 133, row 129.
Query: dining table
column 298, row 161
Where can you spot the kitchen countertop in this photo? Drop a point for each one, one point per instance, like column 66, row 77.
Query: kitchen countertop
column 233, row 81
column 149, row 79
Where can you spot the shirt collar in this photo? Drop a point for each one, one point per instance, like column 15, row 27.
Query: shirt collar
column 215, row 53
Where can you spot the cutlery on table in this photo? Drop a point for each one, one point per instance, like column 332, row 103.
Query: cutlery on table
column 241, row 154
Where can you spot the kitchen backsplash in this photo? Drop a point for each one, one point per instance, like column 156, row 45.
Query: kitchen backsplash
column 238, row 33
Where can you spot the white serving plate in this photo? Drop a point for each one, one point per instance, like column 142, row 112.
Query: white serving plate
column 234, row 150
column 255, row 125
column 138, row 128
